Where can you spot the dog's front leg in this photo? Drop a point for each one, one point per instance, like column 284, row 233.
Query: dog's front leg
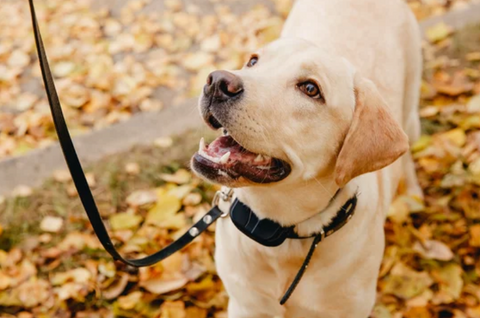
column 261, row 308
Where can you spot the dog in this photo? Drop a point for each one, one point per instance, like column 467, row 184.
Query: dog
column 323, row 114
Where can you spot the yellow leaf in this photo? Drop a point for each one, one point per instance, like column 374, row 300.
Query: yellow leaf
column 406, row 283
column 457, row 136
column 205, row 284
column 417, row 312
column 129, row 301
column 123, row 221
column 181, row 191
column 5, row 280
column 438, row 32
column 175, row 222
column 470, row 122
column 475, row 235
column 165, row 207
column 423, row 142
column 196, row 312
column 398, row 211
column 173, row 309
column 450, row 281
column 473, row 56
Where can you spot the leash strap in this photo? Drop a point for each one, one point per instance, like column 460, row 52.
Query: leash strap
column 343, row 216
column 302, row 270
column 80, row 181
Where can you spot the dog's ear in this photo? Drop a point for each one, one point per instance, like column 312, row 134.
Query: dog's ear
column 374, row 140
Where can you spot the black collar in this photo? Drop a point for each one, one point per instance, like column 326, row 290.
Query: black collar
column 269, row 233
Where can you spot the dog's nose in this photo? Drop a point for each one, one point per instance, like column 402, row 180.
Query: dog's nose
column 223, row 85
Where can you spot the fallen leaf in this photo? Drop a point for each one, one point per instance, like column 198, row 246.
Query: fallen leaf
column 195, row 312
column 406, row 283
column 418, row 312
column 457, row 136
column 161, row 286
column 5, row 281
column 398, row 211
column 51, row 224
column 115, row 289
column 475, row 235
column 132, row 168
column 173, row 309
column 164, row 142
column 438, row 32
column 130, row 301
column 122, row 221
column 33, row 292
column 431, row 249
column 192, row 199
column 473, row 56
column 166, row 207
column 77, row 275
column 450, row 280
column 181, row 176
column 473, row 105
column 141, row 197
column 22, row 191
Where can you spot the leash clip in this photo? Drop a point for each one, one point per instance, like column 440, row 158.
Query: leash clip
column 226, row 195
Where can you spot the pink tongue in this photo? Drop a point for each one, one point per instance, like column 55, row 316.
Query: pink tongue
column 224, row 144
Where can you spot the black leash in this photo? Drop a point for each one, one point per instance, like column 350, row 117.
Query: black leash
column 81, row 182
column 266, row 232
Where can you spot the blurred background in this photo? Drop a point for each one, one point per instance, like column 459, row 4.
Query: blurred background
column 128, row 74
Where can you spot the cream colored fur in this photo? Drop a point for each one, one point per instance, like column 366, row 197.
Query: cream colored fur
column 366, row 56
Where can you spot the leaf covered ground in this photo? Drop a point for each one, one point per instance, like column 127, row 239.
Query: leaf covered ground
column 114, row 58
column 51, row 264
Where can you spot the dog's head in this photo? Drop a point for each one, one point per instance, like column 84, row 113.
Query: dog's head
column 295, row 112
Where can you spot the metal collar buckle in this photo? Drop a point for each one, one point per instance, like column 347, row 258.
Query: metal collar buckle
column 226, row 195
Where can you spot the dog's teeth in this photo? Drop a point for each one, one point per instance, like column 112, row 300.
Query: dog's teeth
column 259, row 158
column 222, row 173
column 263, row 167
column 225, row 157
column 202, row 144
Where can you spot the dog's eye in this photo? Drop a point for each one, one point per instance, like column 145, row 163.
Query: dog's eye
column 253, row 60
column 310, row 89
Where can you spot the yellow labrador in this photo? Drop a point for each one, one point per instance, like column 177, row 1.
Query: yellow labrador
column 320, row 115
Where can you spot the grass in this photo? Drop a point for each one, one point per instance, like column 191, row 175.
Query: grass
column 20, row 216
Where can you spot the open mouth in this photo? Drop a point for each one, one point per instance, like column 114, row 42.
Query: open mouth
column 226, row 158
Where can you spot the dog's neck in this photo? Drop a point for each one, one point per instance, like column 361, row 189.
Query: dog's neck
column 312, row 200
